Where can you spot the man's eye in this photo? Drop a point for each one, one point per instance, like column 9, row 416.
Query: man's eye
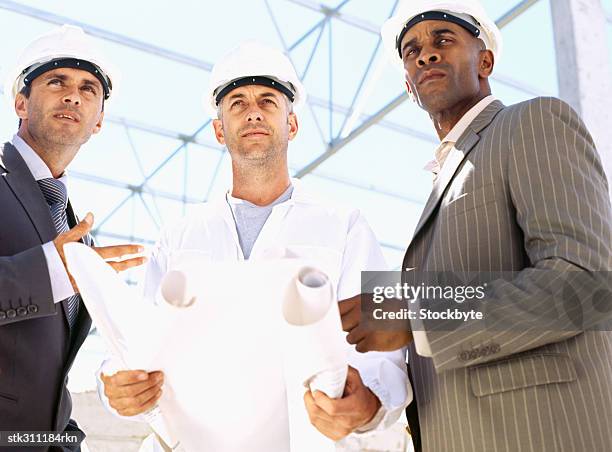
column 55, row 81
column 409, row 52
column 236, row 104
column 269, row 101
column 89, row 88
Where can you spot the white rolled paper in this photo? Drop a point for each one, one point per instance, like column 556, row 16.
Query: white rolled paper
column 235, row 332
column 314, row 330
column 123, row 321
column 175, row 289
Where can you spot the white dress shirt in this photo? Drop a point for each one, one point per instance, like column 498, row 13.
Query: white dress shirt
column 61, row 288
column 435, row 166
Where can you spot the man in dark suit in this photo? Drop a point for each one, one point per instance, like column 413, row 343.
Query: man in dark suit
column 517, row 189
column 59, row 90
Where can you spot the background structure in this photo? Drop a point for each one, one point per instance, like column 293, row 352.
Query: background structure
column 361, row 141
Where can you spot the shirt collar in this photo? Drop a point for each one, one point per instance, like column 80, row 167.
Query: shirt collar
column 35, row 164
column 435, row 166
column 283, row 197
column 462, row 125
column 301, row 194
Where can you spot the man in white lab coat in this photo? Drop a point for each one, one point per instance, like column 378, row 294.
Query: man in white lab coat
column 254, row 91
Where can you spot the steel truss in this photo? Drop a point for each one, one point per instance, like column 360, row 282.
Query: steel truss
column 354, row 124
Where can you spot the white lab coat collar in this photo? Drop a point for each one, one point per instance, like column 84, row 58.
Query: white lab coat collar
column 300, row 195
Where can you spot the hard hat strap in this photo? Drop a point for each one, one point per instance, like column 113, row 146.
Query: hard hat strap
column 264, row 81
column 435, row 15
column 35, row 71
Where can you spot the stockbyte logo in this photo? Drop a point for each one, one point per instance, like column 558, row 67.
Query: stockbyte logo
column 533, row 299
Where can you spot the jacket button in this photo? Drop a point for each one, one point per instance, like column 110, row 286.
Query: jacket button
column 32, row 308
column 2, row 315
column 21, row 311
column 11, row 313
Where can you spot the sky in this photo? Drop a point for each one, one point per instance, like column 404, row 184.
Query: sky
column 380, row 172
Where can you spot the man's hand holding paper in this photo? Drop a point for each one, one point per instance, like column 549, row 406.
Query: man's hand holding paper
column 337, row 418
column 389, row 335
column 133, row 392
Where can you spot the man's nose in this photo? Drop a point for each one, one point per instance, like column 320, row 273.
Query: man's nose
column 428, row 56
column 254, row 115
column 72, row 97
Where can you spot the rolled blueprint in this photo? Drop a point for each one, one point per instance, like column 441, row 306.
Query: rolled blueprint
column 176, row 290
column 314, row 331
column 226, row 386
column 121, row 317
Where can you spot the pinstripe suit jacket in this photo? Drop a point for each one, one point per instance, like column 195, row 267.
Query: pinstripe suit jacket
column 523, row 190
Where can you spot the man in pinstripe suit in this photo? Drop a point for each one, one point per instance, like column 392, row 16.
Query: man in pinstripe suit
column 521, row 189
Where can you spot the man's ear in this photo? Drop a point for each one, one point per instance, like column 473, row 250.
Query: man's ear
column 410, row 92
column 293, row 125
column 486, row 64
column 98, row 125
column 219, row 134
column 21, row 106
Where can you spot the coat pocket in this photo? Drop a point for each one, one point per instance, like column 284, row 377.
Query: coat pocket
column 472, row 200
column 521, row 372
column 8, row 398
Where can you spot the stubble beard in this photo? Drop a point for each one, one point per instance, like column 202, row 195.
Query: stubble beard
column 261, row 157
column 52, row 136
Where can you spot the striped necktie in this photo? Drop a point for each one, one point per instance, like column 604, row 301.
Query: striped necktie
column 56, row 196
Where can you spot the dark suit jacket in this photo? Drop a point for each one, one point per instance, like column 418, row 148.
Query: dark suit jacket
column 37, row 347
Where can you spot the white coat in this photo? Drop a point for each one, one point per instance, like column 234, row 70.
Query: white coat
column 337, row 237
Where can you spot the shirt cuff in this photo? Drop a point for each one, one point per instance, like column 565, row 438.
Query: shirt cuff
column 375, row 422
column 385, row 375
column 61, row 287
column 422, row 344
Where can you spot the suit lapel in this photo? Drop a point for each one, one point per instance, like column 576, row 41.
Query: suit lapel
column 79, row 333
column 25, row 188
column 456, row 157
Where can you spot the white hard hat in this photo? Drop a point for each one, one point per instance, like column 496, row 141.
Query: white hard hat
column 468, row 13
column 65, row 46
column 253, row 63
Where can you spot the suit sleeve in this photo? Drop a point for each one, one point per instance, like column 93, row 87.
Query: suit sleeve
column 560, row 197
column 383, row 372
column 25, row 287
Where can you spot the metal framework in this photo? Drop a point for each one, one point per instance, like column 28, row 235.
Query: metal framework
column 354, row 123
